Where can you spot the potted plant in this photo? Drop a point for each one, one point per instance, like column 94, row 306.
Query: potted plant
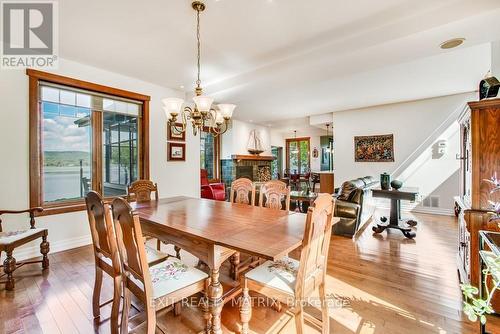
column 475, row 307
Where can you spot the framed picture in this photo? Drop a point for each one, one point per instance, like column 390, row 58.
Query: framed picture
column 173, row 135
column 374, row 148
column 176, row 152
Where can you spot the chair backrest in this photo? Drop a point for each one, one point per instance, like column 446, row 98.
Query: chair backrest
column 101, row 228
column 132, row 250
column 141, row 191
column 272, row 194
column 242, row 191
column 204, row 177
column 314, row 253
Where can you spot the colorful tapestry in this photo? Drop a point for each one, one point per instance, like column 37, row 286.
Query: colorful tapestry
column 374, row 148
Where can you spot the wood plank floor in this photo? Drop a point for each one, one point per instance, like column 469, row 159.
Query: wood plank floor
column 377, row 284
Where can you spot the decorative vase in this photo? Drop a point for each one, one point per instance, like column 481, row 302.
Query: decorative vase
column 396, row 184
column 385, row 181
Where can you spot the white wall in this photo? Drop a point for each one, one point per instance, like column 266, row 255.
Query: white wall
column 495, row 59
column 235, row 140
column 416, row 127
column 71, row 230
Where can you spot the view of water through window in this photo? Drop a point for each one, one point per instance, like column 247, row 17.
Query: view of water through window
column 67, row 143
column 67, row 152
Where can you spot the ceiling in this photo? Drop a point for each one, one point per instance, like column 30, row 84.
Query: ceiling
column 281, row 59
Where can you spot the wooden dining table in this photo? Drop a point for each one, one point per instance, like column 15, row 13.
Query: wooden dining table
column 213, row 231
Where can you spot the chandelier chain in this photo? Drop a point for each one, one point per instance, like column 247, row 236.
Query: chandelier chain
column 198, row 81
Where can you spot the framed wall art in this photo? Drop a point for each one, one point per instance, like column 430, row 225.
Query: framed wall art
column 378, row 148
column 173, row 135
column 176, row 152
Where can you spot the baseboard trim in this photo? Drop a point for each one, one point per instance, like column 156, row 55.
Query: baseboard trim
column 25, row 253
column 434, row 211
column 421, row 209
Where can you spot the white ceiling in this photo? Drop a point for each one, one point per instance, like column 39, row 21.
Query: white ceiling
column 279, row 59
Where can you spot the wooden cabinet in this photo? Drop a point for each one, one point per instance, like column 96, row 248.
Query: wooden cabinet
column 480, row 159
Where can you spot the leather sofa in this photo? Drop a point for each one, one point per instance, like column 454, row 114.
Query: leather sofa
column 215, row 191
column 354, row 205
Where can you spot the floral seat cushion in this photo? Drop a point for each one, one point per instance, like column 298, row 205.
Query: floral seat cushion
column 281, row 274
column 153, row 256
column 7, row 238
column 172, row 275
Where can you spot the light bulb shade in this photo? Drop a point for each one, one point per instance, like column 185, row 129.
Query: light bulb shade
column 172, row 105
column 219, row 118
column 227, row 110
column 203, row 103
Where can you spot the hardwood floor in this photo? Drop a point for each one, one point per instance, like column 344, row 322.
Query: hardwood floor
column 377, row 283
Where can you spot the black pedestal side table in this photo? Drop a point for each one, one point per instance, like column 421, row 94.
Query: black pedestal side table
column 395, row 221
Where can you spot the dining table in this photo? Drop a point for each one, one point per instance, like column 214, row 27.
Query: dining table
column 214, row 230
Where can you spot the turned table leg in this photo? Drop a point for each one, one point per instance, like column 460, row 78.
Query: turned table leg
column 235, row 262
column 245, row 309
column 215, row 300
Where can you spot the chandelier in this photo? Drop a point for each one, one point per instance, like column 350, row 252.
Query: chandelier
column 203, row 115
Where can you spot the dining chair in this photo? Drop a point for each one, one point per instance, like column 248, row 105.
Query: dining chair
column 13, row 239
column 314, row 180
column 292, row 282
column 106, row 255
column 141, row 191
column 158, row 286
column 295, row 181
column 242, row 192
column 273, row 193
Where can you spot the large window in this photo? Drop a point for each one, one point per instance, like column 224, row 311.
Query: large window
column 210, row 154
column 297, row 155
column 83, row 136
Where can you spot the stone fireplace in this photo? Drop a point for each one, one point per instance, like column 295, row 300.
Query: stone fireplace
column 254, row 167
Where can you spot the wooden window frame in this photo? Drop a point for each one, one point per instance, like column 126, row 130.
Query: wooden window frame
column 298, row 139
column 217, row 159
column 35, row 139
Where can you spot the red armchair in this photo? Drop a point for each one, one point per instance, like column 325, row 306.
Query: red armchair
column 215, row 191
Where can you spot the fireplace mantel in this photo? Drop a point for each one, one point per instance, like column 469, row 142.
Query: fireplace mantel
column 253, row 157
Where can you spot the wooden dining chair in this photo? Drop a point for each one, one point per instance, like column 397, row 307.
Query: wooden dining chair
column 141, row 191
column 292, row 282
column 106, row 255
column 273, row 193
column 13, row 239
column 158, row 286
column 242, row 192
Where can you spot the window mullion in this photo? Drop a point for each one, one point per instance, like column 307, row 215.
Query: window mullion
column 97, row 182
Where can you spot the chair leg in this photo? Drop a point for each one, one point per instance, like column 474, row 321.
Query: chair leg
column 324, row 310
column 299, row 319
column 115, row 308
column 158, row 244
column 151, row 319
column 177, row 309
column 245, row 310
column 9, row 265
column 235, row 261
column 96, row 295
column 177, row 252
column 44, row 250
column 127, row 300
